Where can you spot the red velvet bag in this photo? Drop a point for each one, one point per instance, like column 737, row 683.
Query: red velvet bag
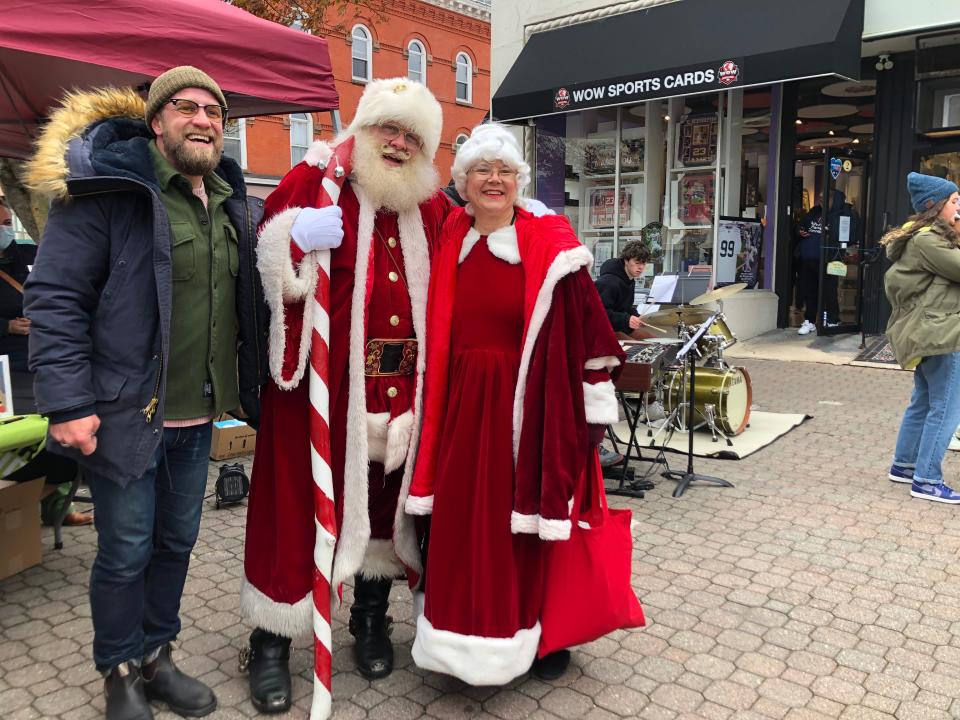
column 586, row 586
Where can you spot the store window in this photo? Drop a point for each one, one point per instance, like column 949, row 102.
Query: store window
column 416, row 62
column 361, row 54
column 301, row 133
column 464, row 78
column 235, row 141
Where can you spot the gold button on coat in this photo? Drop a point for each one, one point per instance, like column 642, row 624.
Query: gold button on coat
column 394, row 320
column 391, row 392
column 392, row 242
column 393, row 276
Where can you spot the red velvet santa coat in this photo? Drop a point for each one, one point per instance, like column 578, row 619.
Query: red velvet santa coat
column 371, row 418
column 564, row 383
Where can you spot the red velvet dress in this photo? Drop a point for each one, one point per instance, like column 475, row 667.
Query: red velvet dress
column 482, row 580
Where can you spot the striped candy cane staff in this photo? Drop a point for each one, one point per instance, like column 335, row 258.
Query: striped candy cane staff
column 335, row 172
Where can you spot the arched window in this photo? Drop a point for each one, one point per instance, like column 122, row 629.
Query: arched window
column 461, row 139
column 416, row 62
column 301, row 134
column 361, row 52
column 464, row 78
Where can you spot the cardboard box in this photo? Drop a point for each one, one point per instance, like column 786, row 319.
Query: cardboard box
column 19, row 525
column 232, row 438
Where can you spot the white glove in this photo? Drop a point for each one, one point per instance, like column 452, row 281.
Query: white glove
column 537, row 208
column 318, row 228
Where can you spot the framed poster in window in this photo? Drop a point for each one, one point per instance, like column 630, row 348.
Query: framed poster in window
column 698, row 140
column 601, row 202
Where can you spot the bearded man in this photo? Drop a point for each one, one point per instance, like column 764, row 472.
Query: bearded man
column 143, row 304
column 391, row 217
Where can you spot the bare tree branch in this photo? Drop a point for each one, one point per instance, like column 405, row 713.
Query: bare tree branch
column 315, row 16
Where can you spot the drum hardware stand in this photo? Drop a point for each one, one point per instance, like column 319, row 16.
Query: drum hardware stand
column 710, row 417
column 688, row 477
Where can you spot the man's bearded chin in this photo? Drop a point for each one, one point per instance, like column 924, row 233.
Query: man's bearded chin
column 392, row 188
column 195, row 162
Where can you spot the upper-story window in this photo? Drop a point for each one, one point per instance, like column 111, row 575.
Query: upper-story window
column 301, row 133
column 464, row 78
column 235, row 141
column 416, row 62
column 361, row 52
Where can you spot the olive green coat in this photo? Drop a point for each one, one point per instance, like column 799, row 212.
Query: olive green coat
column 923, row 287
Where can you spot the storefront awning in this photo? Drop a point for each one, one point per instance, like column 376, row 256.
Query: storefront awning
column 682, row 48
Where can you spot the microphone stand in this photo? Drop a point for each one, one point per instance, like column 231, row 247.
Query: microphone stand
column 689, row 476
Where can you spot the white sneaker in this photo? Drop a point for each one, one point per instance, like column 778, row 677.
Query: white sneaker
column 807, row 328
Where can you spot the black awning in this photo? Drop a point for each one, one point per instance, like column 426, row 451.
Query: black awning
column 682, row 48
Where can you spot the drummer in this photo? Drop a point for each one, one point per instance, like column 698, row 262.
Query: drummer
column 616, row 285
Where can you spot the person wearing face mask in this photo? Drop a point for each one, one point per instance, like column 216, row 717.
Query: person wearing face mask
column 923, row 287
column 15, row 260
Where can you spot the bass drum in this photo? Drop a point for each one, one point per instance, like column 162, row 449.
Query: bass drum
column 729, row 390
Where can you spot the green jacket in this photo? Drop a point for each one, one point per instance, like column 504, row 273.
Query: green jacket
column 923, row 287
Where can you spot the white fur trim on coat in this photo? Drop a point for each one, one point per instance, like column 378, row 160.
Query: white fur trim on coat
column 605, row 362
column 553, row 529
column 600, row 403
column 474, row 659
column 282, row 282
column 380, row 562
column 566, row 263
column 502, row 244
column 291, row 621
column 388, row 440
column 419, row 505
column 520, row 523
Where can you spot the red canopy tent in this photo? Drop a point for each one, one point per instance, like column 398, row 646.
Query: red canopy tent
column 49, row 46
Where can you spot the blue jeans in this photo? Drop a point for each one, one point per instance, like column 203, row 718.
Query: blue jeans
column 931, row 418
column 146, row 532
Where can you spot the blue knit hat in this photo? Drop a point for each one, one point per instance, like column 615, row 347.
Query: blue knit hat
column 927, row 188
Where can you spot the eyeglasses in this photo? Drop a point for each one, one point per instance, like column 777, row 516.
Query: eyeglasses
column 392, row 132
column 485, row 171
column 188, row 108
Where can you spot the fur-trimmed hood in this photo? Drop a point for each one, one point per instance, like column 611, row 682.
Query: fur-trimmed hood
column 100, row 134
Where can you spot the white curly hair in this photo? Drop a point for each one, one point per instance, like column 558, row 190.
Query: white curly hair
column 489, row 142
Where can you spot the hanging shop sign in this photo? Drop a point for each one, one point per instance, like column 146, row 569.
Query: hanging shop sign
column 836, row 167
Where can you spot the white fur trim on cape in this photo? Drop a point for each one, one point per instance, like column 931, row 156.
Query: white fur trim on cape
column 419, row 505
column 290, row 620
column 282, row 282
column 388, row 440
column 554, row 529
column 474, row 659
column 605, row 362
column 600, row 403
column 380, row 562
column 502, row 244
column 520, row 523
column 355, row 530
column 566, row 263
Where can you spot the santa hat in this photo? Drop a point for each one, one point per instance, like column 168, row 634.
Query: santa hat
column 404, row 102
column 490, row 141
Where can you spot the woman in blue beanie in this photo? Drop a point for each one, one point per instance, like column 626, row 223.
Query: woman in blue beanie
column 923, row 287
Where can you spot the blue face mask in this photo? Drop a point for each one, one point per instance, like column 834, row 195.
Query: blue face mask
column 6, row 236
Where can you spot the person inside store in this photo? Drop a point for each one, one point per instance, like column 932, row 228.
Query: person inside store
column 923, row 287
column 810, row 233
column 15, row 262
column 145, row 324
column 528, row 377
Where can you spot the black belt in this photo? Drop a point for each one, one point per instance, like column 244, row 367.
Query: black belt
column 390, row 357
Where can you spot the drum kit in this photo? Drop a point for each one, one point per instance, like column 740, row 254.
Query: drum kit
column 722, row 393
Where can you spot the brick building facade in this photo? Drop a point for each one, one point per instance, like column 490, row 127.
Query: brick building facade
column 444, row 43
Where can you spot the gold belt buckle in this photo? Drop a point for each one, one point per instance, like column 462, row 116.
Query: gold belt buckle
column 390, row 357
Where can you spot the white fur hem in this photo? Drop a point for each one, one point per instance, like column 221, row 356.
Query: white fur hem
column 419, row 505
column 520, row 523
column 388, row 440
column 282, row 283
column 290, row 620
column 554, row 529
column 476, row 660
column 502, row 244
column 380, row 561
column 600, row 403
column 607, row 362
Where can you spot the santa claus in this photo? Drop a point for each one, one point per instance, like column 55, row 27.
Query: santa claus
column 389, row 216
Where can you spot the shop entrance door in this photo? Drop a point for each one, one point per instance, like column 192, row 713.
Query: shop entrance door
column 844, row 203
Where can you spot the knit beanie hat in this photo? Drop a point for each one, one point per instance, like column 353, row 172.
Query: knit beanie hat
column 925, row 189
column 173, row 81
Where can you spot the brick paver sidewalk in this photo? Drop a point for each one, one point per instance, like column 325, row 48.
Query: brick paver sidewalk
column 814, row 589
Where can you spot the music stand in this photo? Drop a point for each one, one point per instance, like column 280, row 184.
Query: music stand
column 689, row 476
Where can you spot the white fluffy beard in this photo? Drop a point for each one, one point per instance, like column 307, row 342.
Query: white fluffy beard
column 391, row 188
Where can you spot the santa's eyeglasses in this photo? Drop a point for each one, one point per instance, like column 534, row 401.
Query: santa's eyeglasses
column 392, row 132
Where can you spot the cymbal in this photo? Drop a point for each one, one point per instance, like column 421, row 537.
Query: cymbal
column 718, row 294
column 669, row 315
